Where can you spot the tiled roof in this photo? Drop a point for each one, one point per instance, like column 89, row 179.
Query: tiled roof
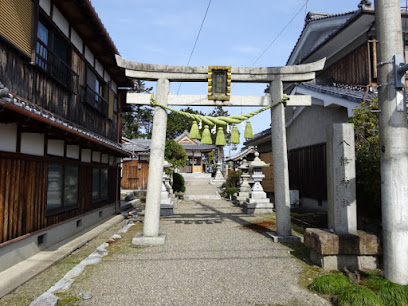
column 259, row 135
column 140, row 145
column 198, row 147
column 13, row 102
column 314, row 16
column 244, row 152
column 348, row 92
column 351, row 93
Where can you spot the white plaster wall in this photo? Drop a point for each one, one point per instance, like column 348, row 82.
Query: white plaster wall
column 32, row 143
column 99, row 68
column 55, row 147
column 73, row 151
column 76, row 40
column 13, row 253
column 86, row 155
column 89, row 56
column 105, row 158
column 309, row 128
column 112, row 160
column 106, row 77
column 60, row 21
column 8, row 137
column 46, row 6
column 114, row 87
column 96, row 156
column 143, row 157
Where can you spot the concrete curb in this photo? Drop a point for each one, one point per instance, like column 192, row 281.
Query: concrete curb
column 20, row 273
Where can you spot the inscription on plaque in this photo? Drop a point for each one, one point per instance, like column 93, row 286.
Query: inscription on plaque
column 219, row 83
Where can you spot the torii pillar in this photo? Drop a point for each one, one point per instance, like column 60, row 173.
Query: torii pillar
column 164, row 74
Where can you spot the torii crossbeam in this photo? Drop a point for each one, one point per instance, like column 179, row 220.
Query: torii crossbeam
column 164, row 74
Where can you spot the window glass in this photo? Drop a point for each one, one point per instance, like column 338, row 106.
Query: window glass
column 95, row 184
column 104, row 183
column 42, row 33
column 115, row 104
column 54, row 189
column 71, row 186
column 42, row 44
column 60, row 48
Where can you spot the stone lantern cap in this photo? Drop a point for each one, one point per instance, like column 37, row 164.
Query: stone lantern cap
column 244, row 165
column 257, row 162
column 166, row 164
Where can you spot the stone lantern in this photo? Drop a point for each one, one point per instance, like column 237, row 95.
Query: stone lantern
column 245, row 188
column 166, row 203
column 219, row 179
column 166, row 177
column 257, row 202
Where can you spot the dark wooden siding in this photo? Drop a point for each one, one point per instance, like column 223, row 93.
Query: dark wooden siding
column 22, row 197
column 132, row 177
column 23, row 194
column 352, row 69
column 307, row 171
column 31, row 83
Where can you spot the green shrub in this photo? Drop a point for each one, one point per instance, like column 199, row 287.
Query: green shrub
column 358, row 296
column 390, row 293
column 233, row 179
column 331, row 284
column 230, row 191
column 178, row 183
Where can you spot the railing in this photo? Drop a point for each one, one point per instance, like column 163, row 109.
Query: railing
column 56, row 67
column 93, row 99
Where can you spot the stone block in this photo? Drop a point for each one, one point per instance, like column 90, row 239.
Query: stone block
column 339, row 262
column 258, row 207
column 284, row 239
column 327, row 243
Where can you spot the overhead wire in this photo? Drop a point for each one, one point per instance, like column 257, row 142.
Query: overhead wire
column 197, row 37
column 280, row 33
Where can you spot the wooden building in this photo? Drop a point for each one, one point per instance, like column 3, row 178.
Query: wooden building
column 59, row 124
column 135, row 169
column 195, row 152
column 348, row 41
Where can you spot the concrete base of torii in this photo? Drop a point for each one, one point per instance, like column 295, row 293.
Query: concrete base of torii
column 143, row 241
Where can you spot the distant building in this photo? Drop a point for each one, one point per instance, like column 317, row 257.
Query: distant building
column 196, row 152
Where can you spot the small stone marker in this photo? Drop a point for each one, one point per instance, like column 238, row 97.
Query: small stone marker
column 341, row 179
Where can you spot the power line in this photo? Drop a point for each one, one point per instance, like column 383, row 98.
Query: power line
column 198, row 35
column 280, row 33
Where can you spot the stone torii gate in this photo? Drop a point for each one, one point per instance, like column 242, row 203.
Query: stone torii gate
column 164, row 74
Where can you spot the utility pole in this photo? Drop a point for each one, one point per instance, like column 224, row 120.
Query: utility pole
column 393, row 140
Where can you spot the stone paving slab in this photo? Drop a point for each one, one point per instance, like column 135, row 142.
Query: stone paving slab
column 209, row 258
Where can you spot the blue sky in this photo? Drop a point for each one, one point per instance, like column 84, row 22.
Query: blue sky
column 235, row 33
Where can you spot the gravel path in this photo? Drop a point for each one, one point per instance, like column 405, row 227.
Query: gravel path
column 209, row 258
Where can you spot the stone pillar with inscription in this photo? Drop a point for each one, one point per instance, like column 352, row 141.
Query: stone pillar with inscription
column 342, row 246
column 341, row 179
